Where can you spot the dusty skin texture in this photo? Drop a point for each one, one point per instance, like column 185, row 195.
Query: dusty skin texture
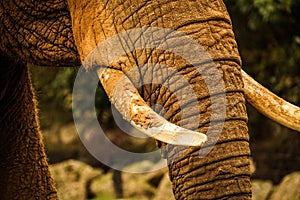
column 224, row 173
column 24, row 172
column 38, row 32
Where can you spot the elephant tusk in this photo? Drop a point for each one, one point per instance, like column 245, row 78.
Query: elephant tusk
column 271, row 105
column 125, row 97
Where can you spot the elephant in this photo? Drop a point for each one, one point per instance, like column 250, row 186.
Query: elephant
column 64, row 33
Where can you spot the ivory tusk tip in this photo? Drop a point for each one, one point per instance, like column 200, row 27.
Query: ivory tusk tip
column 199, row 139
column 175, row 135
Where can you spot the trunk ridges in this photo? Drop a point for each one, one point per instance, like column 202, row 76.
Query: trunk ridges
column 224, row 172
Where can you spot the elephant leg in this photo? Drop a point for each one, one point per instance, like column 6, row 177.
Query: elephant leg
column 24, row 171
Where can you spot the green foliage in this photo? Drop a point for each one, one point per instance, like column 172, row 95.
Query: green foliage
column 259, row 12
column 268, row 35
column 54, row 85
column 272, row 10
column 54, row 88
column 106, row 196
column 54, row 94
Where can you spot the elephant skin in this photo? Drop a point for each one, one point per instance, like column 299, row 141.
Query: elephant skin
column 64, row 33
column 225, row 171
column 24, row 171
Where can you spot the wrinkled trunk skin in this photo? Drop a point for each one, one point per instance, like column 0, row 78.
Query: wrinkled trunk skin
column 224, row 173
column 24, row 172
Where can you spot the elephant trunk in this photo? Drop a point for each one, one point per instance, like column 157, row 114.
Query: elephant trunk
column 194, row 171
column 218, row 169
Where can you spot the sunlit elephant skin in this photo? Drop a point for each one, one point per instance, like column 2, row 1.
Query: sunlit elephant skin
column 64, row 33
column 225, row 171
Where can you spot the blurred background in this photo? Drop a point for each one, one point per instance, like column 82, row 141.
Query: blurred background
column 268, row 36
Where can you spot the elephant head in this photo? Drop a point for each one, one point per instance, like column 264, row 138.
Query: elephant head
column 63, row 33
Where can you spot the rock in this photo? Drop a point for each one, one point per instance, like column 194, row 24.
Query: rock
column 72, row 179
column 103, row 186
column 164, row 190
column 137, row 186
column 145, row 165
column 134, row 186
column 140, row 186
column 261, row 189
column 289, row 188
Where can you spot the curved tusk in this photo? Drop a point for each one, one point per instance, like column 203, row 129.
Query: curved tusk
column 271, row 105
column 125, row 97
